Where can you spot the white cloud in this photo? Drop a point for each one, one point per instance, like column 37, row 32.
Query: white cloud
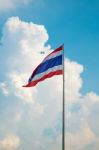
column 73, row 80
column 9, row 143
column 85, row 139
column 4, row 89
column 29, row 39
column 80, row 140
column 82, row 124
column 24, row 94
column 6, row 5
column 21, row 45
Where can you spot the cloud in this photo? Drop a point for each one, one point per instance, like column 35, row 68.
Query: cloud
column 73, row 80
column 22, row 43
column 79, row 141
column 9, row 143
column 82, row 124
column 27, row 40
column 17, row 81
column 86, row 139
column 6, row 5
column 26, row 37
column 4, row 88
column 38, row 122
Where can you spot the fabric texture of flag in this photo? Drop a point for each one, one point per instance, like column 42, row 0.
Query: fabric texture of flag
column 50, row 66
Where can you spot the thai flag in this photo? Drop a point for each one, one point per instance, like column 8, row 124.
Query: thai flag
column 50, row 66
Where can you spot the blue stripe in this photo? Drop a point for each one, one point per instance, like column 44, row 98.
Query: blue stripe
column 49, row 64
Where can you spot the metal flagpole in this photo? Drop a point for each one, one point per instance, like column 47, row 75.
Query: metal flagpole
column 63, row 105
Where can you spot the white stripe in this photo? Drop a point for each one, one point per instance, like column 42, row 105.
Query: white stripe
column 56, row 68
column 53, row 55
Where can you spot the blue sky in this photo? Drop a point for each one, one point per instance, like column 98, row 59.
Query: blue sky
column 74, row 23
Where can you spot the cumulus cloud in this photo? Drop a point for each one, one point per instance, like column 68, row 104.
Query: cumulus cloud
column 9, row 143
column 73, row 80
column 6, row 5
column 80, row 140
column 26, row 37
column 4, row 89
column 17, row 81
column 22, row 43
column 82, row 124
column 85, row 139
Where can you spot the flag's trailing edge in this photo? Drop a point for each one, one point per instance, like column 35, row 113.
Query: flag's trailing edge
column 50, row 66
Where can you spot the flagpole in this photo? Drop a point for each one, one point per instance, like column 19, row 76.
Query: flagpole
column 63, row 105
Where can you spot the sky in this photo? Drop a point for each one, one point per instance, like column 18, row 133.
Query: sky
column 31, row 118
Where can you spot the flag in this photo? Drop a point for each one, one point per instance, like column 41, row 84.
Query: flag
column 50, row 66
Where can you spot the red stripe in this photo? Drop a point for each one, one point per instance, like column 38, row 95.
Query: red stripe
column 58, row 49
column 33, row 83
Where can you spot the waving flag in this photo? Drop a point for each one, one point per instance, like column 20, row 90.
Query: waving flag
column 50, row 66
